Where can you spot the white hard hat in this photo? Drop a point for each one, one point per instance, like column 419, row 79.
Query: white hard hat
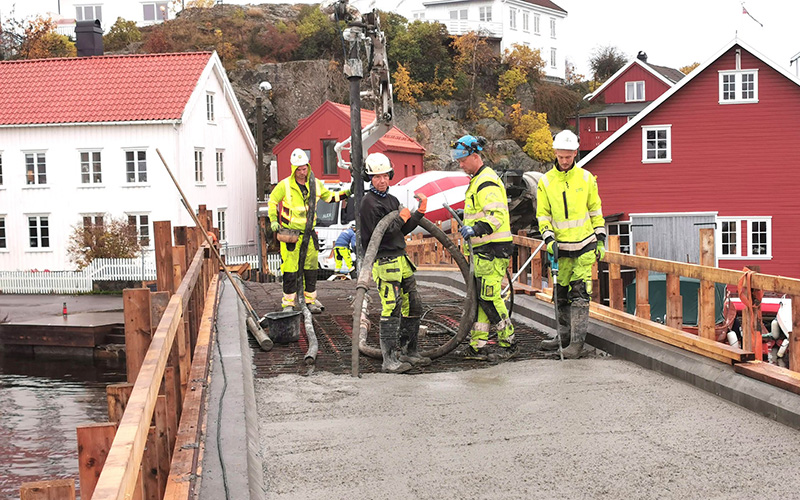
column 565, row 140
column 299, row 158
column 378, row 163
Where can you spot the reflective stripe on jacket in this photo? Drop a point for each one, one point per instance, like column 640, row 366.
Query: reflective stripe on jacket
column 293, row 202
column 568, row 209
column 486, row 202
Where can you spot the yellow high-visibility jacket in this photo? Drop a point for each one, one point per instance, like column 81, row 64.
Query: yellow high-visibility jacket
column 568, row 209
column 293, row 202
column 486, row 209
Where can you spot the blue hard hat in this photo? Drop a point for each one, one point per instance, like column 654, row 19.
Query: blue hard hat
column 465, row 146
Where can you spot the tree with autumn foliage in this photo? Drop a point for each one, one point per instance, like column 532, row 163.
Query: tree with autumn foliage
column 473, row 58
column 689, row 68
column 406, row 90
column 525, row 59
column 34, row 39
column 115, row 238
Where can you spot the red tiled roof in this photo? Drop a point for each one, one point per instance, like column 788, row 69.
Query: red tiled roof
column 546, row 3
column 118, row 88
column 393, row 139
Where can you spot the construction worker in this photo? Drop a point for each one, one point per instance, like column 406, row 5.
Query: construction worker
column 486, row 224
column 571, row 222
column 343, row 247
column 393, row 271
column 293, row 195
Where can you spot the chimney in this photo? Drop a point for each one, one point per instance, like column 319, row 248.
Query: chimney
column 89, row 38
column 642, row 56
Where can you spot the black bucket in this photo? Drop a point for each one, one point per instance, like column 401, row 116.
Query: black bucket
column 282, row 327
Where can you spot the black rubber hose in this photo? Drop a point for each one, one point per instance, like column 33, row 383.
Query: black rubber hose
column 311, row 213
column 470, row 306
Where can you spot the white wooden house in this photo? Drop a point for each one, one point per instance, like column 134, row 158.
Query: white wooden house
column 78, row 140
column 66, row 12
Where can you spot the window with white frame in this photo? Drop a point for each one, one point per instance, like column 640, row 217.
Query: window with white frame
column 536, row 24
column 142, row 224
column 198, row 166
column 759, row 237
column 91, row 170
column 553, row 57
column 35, row 169
column 155, row 11
column 220, row 166
column 729, row 237
column 458, row 14
column 634, row 91
column 221, row 223
column 738, row 87
column 92, row 220
column 526, row 21
column 3, row 243
column 485, row 14
column 601, row 124
column 210, row 106
column 88, row 12
column 623, row 230
column 656, row 144
column 136, row 166
column 419, row 15
column 512, row 19
column 38, row 231
column 552, row 27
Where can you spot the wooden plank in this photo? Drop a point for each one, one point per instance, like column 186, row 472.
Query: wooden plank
column 706, row 310
column 173, row 405
column 136, row 307
column 794, row 336
column 163, row 451
column 184, row 364
column 94, row 441
column 117, row 396
column 525, row 289
column 642, row 283
column 55, row 489
column 771, row 374
column 150, row 468
column 596, row 284
column 674, row 302
column 162, row 244
column 54, row 336
column 615, row 291
column 185, row 459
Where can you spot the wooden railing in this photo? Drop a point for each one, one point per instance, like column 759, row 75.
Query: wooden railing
column 149, row 447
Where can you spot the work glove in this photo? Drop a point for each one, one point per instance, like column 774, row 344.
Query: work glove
column 274, row 226
column 345, row 194
column 423, row 202
column 552, row 249
column 600, row 251
column 405, row 214
column 467, row 231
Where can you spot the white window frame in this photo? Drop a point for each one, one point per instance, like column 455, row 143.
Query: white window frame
column 614, row 229
column 221, row 224
column 198, row 166
column 768, row 221
column 137, row 171
column 668, row 148
column 526, row 21
column 92, row 216
column 90, row 165
column 485, row 14
column 219, row 161
column 157, row 12
column 210, row 107
column 138, row 224
column 632, row 91
column 737, row 234
column 553, row 58
column 512, row 19
column 597, row 122
column 40, row 239
column 3, row 237
column 536, row 24
column 737, row 77
column 81, row 9
column 552, row 27
column 36, row 171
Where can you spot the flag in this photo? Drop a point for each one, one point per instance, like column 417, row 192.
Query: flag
column 744, row 11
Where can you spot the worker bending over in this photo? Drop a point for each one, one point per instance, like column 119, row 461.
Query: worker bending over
column 343, row 248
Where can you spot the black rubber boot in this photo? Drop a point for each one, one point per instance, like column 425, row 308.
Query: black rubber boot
column 563, row 327
column 580, row 326
column 389, row 332
column 409, row 336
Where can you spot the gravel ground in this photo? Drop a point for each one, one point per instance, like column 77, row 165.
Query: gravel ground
column 592, row 428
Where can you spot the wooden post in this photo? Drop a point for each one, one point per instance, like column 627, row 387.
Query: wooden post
column 179, row 266
column 706, row 317
column 173, row 405
column 136, row 307
column 162, row 243
column 163, row 451
column 794, row 336
column 117, row 396
column 56, row 489
column 150, row 468
column 596, row 283
column 94, row 441
column 643, row 283
column 536, row 270
column 523, row 253
column 674, row 301
column 615, row 293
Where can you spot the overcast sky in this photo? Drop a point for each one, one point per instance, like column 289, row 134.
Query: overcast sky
column 683, row 32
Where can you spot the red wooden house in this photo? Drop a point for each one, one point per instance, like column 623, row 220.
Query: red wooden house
column 719, row 149
column 624, row 95
column 329, row 124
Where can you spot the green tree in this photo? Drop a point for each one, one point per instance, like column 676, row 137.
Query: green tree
column 114, row 238
column 606, row 61
column 422, row 48
column 318, row 35
column 121, row 34
column 40, row 40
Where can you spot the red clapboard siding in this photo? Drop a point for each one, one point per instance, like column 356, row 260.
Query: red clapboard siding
column 653, row 86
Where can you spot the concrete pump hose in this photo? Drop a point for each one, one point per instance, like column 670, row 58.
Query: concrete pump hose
column 313, row 347
column 470, row 304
